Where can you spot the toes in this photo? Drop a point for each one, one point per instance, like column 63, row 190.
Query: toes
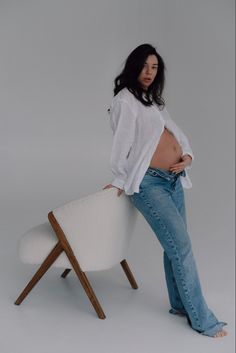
column 220, row 333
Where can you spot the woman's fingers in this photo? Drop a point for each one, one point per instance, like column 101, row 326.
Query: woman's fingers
column 176, row 170
column 105, row 187
column 108, row 186
column 120, row 191
column 178, row 167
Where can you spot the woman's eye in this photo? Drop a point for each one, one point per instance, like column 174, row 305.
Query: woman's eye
column 153, row 68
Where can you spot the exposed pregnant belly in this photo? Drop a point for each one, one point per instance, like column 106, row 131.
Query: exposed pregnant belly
column 167, row 153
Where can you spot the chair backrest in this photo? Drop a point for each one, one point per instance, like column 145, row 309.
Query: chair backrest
column 98, row 227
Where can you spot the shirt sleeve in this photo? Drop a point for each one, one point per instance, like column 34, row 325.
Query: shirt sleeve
column 183, row 140
column 122, row 120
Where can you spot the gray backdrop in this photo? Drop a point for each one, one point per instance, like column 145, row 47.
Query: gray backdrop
column 58, row 62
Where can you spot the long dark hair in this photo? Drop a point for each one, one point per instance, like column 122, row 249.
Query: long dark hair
column 133, row 67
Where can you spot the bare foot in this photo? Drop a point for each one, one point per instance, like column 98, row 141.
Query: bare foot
column 221, row 333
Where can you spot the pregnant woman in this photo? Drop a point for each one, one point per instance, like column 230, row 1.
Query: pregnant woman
column 150, row 159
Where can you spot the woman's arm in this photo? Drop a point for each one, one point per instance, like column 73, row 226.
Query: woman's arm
column 122, row 121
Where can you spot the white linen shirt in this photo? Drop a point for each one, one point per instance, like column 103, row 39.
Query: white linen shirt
column 136, row 133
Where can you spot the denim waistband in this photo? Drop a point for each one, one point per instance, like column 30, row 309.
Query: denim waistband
column 164, row 173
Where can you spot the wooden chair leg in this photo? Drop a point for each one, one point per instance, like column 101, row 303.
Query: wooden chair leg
column 56, row 251
column 75, row 264
column 129, row 274
column 86, row 285
column 90, row 293
column 65, row 273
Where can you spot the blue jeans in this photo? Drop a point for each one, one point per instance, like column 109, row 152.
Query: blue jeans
column 161, row 202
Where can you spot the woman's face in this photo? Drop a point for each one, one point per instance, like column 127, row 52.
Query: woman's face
column 149, row 71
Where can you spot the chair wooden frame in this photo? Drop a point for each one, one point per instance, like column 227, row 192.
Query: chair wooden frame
column 63, row 245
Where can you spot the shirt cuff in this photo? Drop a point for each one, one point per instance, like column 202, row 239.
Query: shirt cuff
column 119, row 183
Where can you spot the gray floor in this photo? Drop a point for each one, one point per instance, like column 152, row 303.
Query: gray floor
column 57, row 316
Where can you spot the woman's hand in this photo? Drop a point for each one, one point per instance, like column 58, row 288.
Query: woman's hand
column 178, row 167
column 120, row 191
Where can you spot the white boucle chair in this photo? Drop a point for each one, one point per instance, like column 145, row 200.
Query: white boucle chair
column 90, row 234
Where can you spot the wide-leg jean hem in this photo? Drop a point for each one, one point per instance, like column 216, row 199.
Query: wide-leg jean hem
column 212, row 331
